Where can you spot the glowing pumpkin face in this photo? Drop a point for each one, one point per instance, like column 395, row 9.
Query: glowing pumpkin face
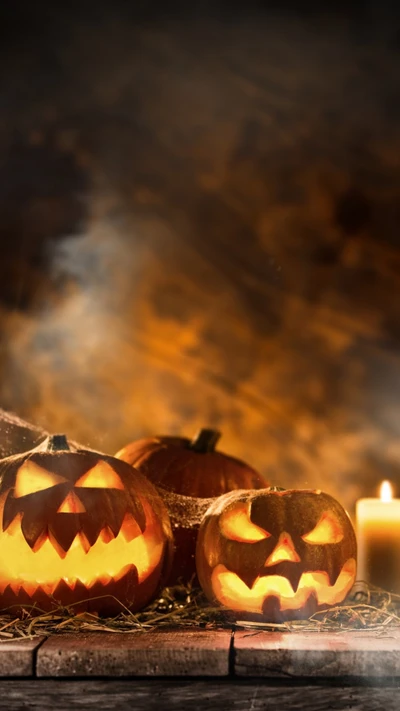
column 279, row 554
column 79, row 525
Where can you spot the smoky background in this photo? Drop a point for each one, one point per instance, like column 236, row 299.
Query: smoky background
column 199, row 226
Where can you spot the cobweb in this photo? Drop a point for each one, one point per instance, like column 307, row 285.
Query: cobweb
column 188, row 511
column 17, row 435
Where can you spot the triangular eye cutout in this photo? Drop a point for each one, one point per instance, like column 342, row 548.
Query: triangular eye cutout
column 102, row 476
column 32, row 478
column 71, row 505
column 235, row 524
column 327, row 530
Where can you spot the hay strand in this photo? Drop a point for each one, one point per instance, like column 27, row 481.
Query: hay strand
column 366, row 608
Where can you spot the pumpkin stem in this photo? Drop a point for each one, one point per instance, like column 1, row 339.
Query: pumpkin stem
column 57, row 443
column 204, row 441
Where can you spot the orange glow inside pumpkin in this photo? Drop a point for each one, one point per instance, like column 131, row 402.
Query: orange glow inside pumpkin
column 284, row 550
column 233, row 593
column 327, row 530
column 71, row 504
column 31, row 478
column 102, row 476
column 235, row 524
column 108, row 558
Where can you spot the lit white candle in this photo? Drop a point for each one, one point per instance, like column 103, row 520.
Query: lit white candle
column 378, row 536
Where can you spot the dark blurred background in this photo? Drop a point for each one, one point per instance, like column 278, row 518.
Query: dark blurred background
column 199, row 225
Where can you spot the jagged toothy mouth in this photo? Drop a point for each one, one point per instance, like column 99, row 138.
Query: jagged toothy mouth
column 232, row 592
column 109, row 558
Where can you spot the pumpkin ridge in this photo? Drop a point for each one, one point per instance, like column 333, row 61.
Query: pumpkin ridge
column 184, row 476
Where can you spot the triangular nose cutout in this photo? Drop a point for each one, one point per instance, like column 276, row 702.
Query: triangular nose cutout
column 71, row 505
column 284, row 550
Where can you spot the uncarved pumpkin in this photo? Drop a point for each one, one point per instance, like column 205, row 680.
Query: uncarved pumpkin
column 189, row 474
column 79, row 528
column 276, row 554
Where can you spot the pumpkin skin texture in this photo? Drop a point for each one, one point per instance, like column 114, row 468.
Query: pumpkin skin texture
column 188, row 474
column 276, row 554
column 79, row 528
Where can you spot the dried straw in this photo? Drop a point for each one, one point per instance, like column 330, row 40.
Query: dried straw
column 366, row 608
column 179, row 606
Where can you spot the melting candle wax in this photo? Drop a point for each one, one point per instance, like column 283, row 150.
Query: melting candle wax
column 378, row 534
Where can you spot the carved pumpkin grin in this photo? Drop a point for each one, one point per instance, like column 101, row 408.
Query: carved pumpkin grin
column 78, row 526
column 233, row 592
column 44, row 565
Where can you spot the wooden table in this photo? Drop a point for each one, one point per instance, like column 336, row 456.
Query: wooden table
column 191, row 669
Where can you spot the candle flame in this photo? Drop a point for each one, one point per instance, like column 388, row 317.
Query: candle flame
column 386, row 491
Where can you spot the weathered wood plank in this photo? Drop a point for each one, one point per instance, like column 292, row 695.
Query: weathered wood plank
column 171, row 695
column 17, row 657
column 271, row 654
column 159, row 653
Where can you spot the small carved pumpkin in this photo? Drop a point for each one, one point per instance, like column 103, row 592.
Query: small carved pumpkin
column 77, row 526
column 275, row 553
column 188, row 474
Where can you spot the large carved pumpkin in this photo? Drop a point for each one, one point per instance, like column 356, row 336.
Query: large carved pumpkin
column 275, row 553
column 189, row 474
column 79, row 525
